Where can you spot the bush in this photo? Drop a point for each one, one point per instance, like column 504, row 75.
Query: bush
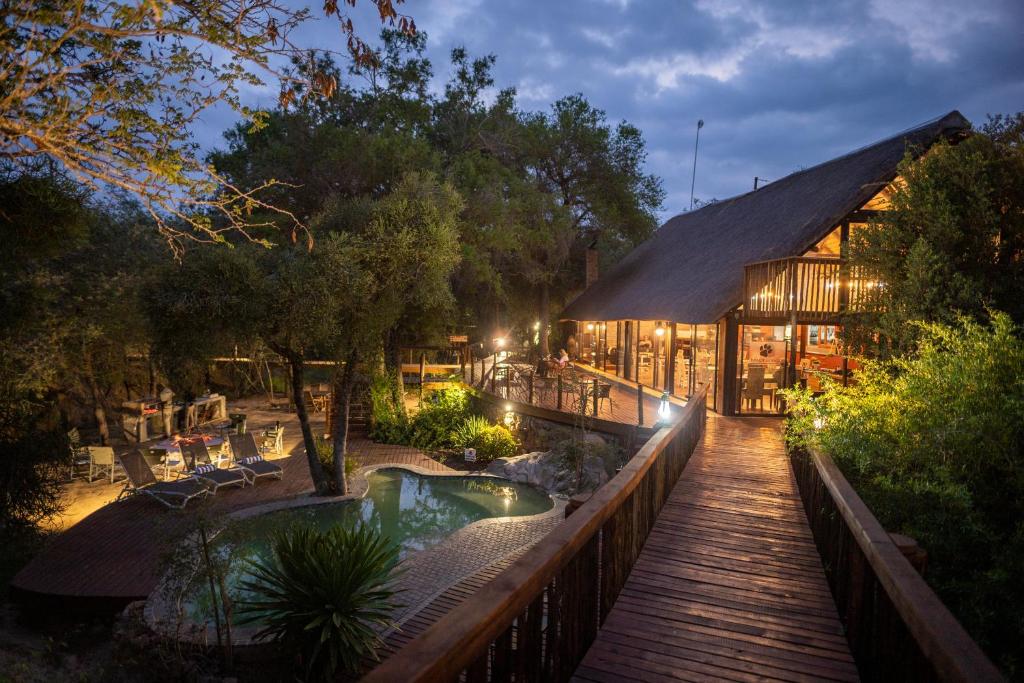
column 323, row 595
column 490, row 441
column 388, row 422
column 934, row 443
column 443, row 412
column 325, row 453
column 470, row 432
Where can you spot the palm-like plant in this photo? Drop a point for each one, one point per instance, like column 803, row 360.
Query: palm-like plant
column 324, row 595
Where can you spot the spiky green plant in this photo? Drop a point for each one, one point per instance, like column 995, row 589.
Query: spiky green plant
column 325, row 595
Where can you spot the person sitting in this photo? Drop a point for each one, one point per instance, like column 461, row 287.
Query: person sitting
column 563, row 358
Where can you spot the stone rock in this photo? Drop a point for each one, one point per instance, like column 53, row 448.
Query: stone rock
column 548, row 470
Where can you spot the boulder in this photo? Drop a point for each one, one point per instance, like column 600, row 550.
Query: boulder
column 548, row 470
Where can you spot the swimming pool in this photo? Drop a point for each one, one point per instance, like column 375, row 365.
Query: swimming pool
column 414, row 511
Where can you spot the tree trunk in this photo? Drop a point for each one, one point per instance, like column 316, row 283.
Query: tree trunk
column 342, row 400
column 316, row 470
column 97, row 401
column 393, row 368
column 542, row 316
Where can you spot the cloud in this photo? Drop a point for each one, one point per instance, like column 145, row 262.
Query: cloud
column 531, row 90
column 608, row 39
column 762, row 36
column 929, row 28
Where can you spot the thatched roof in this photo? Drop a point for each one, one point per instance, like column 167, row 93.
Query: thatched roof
column 691, row 269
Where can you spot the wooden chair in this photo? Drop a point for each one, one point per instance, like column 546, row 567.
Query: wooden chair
column 753, row 389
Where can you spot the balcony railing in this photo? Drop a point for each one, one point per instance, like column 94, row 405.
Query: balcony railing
column 812, row 290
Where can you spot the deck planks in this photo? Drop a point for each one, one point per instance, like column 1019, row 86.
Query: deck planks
column 729, row 585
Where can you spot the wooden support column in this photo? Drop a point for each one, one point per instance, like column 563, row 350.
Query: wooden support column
column 594, row 385
column 639, row 404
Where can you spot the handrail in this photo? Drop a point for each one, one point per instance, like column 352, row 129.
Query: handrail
column 554, row 596
column 931, row 643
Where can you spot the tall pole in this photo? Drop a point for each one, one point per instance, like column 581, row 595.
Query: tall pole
column 693, row 179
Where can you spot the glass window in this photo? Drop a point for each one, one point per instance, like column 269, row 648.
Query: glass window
column 763, row 352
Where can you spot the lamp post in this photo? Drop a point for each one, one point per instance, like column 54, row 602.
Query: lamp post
column 693, row 179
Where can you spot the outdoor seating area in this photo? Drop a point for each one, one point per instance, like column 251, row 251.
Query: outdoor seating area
column 570, row 388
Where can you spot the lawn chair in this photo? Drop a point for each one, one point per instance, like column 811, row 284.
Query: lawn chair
column 273, row 440
column 173, row 494
column 197, row 459
column 80, row 460
column 248, row 457
column 102, row 462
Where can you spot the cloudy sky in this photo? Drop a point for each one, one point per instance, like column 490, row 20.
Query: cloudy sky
column 780, row 85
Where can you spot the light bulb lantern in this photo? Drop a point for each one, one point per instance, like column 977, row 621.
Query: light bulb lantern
column 660, row 331
column 590, row 327
column 664, row 408
column 789, row 332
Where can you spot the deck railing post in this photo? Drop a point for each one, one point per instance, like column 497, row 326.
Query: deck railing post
column 472, row 370
column 595, row 397
column 640, row 404
column 494, row 371
column 423, row 371
column 508, row 381
column 530, row 389
column 559, row 392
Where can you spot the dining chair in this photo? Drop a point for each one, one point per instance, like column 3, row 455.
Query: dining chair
column 102, row 461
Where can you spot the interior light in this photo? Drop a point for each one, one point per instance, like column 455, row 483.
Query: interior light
column 590, row 327
column 664, row 409
column 659, row 330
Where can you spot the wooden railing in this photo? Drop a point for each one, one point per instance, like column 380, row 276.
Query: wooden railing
column 536, row 620
column 811, row 289
column 897, row 628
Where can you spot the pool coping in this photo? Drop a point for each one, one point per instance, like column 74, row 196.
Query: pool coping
column 158, row 613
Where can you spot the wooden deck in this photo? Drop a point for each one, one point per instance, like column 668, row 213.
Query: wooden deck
column 621, row 406
column 729, row 585
column 119, row 552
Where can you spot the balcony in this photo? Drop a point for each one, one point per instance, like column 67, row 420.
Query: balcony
column 804, row 290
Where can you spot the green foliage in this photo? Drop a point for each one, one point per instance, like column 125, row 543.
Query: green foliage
column 934, row 443
column 953, row 242
column 323, row 595
column 388, row 423
column 443, row 412
column 490, row 441
column 325, row 453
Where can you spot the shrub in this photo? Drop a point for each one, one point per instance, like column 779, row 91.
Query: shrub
column 496, row 442
column 442, row 413
column 323, row 595
column 933, row 443
column 325, row 453
column 388, row 422
column 470, row 432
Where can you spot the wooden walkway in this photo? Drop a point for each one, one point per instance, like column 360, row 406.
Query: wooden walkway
column 729, row 585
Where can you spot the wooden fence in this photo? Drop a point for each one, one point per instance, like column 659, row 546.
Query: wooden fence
column 897, row 627
column 536, row 620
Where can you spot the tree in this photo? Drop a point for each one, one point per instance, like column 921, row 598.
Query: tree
column 109, row 91
column 284, row 296
column 595, row 174
column 401, row 253
column 953, row 242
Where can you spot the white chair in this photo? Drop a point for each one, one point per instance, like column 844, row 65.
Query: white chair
column 103, row 462
column 273, row 441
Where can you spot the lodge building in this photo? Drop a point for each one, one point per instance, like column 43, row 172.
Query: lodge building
column 746, row 296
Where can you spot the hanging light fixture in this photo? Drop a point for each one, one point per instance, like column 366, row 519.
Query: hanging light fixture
column 659, row 330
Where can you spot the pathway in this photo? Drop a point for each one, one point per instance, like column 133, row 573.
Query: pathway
column 729, row 585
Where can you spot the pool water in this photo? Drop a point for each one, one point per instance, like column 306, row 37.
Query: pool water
column 413, row 511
